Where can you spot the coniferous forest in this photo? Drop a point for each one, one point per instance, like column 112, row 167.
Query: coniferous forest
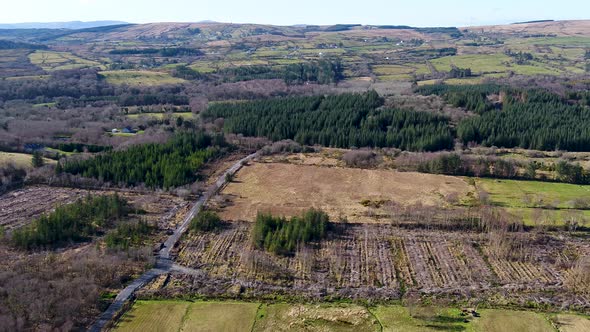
column 343, row 121
column 512, row 117
column 168, row 165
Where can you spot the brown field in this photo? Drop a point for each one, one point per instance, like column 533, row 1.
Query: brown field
column 285, row 189
column 560, row 28
column 21, row 206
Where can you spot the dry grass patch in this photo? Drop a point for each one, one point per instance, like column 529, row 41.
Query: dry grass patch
column 285, row 189
column 328, row 317
column 572, row 323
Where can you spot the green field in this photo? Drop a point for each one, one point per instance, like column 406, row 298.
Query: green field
column 535, row 200
column 147, row 316
column 20, row 159
column 493, row 320
column 484, row 63
column 49, row 60
column 139, row 77
column 398, row 318
column 530, row 194
column 175, row 316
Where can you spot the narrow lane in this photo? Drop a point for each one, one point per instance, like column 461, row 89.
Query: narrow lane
column 163, row 262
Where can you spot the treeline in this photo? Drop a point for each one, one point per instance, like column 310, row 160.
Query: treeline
column 525, row 118
column 322, row 72
column 460, row 72
column 71, row 223
column 343, row 121
column 282, row 236
column 9, row 45
column 80, row 87
column 168, row 165
column 165, row 52
column 326, row 71
column 81, row 147
column 493, row 167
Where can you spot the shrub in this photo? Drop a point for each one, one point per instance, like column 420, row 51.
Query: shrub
column 206, row 221
column 360, row 158
column 127, row 235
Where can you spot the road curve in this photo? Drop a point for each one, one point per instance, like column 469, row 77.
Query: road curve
column 163, row 262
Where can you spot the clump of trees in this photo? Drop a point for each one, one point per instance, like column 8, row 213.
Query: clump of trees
column 186, row 72
column 37, row 159
column 167, row 165
column 343, row 121
column 325, row 71
column 206, row 221
column 128, row 235
column 164, row 52
column 71, row 223
column 460, row 72
column 281, row 236
column 80, row 147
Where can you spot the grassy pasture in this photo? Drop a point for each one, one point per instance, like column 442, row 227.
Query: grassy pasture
column 392, row 70
column 401, row 319
column 510, row 193
column 147, row 316
column 530, row 199
column 493, row 320
column 19, row 159
column 50, row 60
column 154, row 316
column 175, row 316
column 484, row 63
column 139, row 77
column 571, row 323
column 205, row 316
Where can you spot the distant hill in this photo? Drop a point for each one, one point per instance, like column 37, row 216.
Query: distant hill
column 74, row 25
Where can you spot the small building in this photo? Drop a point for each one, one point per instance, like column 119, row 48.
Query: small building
column 128, row 130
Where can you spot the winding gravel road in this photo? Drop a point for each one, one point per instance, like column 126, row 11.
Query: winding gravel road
column 163, row 262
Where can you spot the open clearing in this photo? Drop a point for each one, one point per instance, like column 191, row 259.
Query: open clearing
column 285, row 189
column 146, row 316
column 139, row 77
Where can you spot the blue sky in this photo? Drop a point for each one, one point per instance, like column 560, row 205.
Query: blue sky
column 406, row 12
